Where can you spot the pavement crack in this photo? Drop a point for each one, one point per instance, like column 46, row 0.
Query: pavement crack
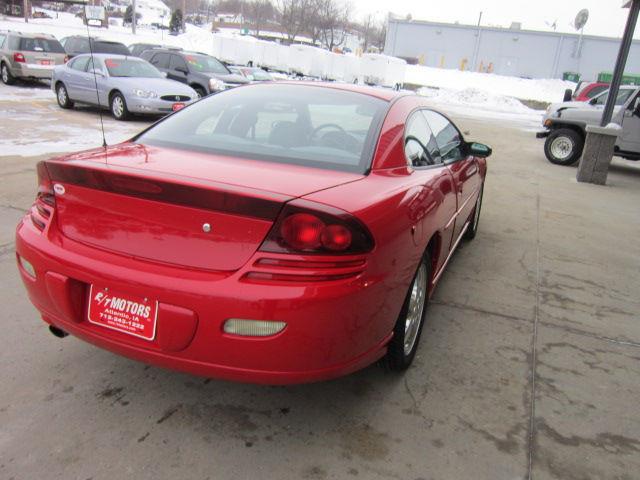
column 534, row 341
column 479, row 310
column 582, row 333
column 7, row 248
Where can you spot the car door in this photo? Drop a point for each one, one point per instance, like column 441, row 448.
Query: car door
column 178, row 69
column 630, row 138
column 97, row 85
column 73, row 78
column 433, row 181
column 463, row 167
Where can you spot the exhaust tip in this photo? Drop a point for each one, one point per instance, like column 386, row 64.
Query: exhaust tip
column 58, row 332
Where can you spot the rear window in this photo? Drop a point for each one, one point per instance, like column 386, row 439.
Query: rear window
column 298, row 124
column 40, row 45
column 110, row 47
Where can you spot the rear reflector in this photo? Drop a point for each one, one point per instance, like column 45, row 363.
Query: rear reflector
column 252, row 328
column 27, row 266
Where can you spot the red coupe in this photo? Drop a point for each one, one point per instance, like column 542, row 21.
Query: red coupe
column 272, row 233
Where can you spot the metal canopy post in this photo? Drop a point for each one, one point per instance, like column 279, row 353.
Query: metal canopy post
column 621, row 62
column 600, row 141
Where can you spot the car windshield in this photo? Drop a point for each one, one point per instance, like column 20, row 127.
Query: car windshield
column 40, row 45
column 298, row 124
column 203, row 63
column 621, row 99
column 126, row 67
column 259, row 74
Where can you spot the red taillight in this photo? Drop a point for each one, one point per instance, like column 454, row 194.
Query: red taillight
column 306, row 227
column 18, row 57
column 42, row 209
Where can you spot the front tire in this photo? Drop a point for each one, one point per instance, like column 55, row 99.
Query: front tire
column 7, row 78
column 119, row 107
column 201, row 92
column 472, row 229
column 406, row 333
column 62, row 96
column 563, row 146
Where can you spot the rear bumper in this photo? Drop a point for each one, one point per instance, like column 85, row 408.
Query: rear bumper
column 333, row 328
column 28, row 70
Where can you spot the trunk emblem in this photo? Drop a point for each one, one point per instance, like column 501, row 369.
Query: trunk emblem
column 59, row 189
column 206, row 228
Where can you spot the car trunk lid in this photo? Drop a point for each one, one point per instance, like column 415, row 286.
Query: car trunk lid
column 190, row 211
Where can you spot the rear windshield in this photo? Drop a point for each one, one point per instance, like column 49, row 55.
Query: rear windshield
column 298, row 124
column 109, row 47
column 202, row 63
column 40, row 45
column 126, row 67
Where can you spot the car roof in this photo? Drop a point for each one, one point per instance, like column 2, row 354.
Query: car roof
column 110, row 55
column 378, row 92
column 29, row 34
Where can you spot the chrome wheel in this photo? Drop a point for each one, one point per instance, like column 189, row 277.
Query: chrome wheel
column 5, row 74
column 561, row 147
column 416, row 308
column 117, row 106
column 62, row 96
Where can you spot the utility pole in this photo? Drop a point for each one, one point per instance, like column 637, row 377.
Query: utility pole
column 184, row 15
column 476, row 48
column 26, row 9
column 133, row 16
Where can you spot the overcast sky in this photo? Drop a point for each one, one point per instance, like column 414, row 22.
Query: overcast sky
column 606, row 17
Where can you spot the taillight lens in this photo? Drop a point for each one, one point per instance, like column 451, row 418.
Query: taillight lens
column 306, row 227
column 45, row 186
column 18, row 57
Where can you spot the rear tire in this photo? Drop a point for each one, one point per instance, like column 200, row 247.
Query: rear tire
column 7, row 78
column 406, row 334
column 62, row 96
column 118, row 107
column 563, row 146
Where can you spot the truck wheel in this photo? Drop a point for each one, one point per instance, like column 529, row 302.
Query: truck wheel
column 563, row 146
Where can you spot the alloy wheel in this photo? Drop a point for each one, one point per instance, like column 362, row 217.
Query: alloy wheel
column 5, row 74
column 62, row 95
column 561, row 147
column 416, row 308
column 117, row 106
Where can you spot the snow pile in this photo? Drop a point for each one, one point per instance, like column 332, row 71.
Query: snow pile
column 543, row 90
column 475, row 98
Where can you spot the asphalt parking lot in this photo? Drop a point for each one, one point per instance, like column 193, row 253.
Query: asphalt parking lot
column 529, row 366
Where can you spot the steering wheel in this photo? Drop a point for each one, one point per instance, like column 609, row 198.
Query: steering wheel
column 326, row 125
column 410, row 138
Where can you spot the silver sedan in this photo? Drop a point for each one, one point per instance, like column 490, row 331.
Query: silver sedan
column 125, row 85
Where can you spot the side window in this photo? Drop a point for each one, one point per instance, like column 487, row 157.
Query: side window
column 2, row 37
column 177, row 62
column 160, row 60
column 447, row 136
column 80, row 64
column 420, row 147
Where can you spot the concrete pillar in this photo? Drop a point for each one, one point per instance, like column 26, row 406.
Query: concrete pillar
column 597, row 153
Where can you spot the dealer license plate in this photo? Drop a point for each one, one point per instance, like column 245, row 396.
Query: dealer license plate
column 123, row 312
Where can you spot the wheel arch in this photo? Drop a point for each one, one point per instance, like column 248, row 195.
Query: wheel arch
column 576, row 127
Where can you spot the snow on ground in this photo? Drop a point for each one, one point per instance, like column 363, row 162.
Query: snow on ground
column 543, row 90
column 39, row 126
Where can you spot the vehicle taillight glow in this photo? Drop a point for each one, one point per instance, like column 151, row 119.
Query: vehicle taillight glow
column 18, row 57
column 306, row 227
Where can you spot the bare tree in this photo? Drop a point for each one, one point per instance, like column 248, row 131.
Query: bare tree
column 258, row 13
column 333, row 21
column 294, row 16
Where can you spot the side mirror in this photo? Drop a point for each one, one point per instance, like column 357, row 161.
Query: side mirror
column 593, row 101
column 636, row 110
column 479, row 149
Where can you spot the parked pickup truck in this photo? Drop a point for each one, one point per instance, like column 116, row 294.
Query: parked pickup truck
column 565, row 126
